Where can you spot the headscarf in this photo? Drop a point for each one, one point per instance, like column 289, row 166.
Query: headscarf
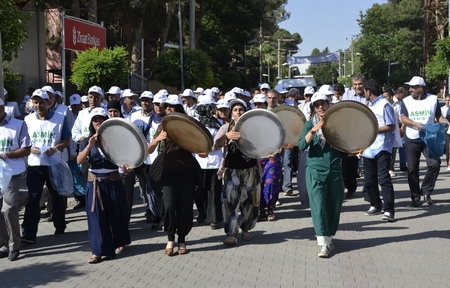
column 206, row 116
column 116, row 105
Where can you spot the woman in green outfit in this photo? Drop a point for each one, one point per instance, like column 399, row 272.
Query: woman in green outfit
column 323, row 176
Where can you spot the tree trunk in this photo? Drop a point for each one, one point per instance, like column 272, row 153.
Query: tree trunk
column 166, row 25
column 136, row 48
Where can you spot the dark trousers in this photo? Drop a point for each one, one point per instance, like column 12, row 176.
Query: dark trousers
column 447, row 149
column 350, row 172
column 401, row 155
column 36, row 177
column 209, row 200
column 376, row 171
column 177, row 202
column 414, row 149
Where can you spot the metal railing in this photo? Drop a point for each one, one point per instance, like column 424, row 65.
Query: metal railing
column 137, row 83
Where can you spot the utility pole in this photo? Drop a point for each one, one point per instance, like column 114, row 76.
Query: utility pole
column 192, row 24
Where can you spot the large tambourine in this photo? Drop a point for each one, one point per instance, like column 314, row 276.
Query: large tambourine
column 293, row 120
column 187, row 132
column 122, row 142
column 350, row 126
column 261, row 133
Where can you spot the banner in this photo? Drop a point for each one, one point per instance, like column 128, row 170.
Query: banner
column 330, row 57
column 80, row 35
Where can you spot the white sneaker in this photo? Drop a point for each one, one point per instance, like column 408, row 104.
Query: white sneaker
column 324, row 251
column 278, row 203
column 392, row 173
column 448, row 168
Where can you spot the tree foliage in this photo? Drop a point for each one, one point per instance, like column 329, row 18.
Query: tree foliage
column 437, row 69
column 197, row 71
column 391, row 32
column 104, row 68
column 13, row 28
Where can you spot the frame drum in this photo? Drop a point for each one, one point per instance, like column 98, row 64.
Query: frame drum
column 293, row 121
column 350, row 126
column 261, row 133
column 122, row 142
column 188, row 133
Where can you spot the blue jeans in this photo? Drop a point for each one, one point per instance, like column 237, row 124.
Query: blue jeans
column 376, row 171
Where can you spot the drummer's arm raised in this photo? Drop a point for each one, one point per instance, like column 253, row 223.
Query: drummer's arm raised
column 83, row 154
column 152, row 146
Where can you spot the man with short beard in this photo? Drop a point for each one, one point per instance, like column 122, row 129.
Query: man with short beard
column 418, row 109
column 49, row 133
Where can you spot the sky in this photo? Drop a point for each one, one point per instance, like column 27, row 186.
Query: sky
column 325, row 23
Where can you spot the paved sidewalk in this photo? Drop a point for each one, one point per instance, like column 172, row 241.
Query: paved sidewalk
column 411, row 252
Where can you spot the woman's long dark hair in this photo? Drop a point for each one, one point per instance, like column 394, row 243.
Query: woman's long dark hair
column 91, row 128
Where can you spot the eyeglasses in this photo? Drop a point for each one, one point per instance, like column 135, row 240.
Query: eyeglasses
column 319, row 103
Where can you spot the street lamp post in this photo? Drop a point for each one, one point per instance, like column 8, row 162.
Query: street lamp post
column 389, row 57
column 279, row 54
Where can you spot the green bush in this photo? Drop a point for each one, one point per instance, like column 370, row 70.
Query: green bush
column 104, row 68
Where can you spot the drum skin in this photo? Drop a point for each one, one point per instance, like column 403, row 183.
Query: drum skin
column 188, row 133
column 122, row 142
column 350, row 126
column 261, row 133
column 293, row 121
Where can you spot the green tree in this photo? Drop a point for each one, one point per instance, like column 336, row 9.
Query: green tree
column 391, row 32
column 437, row 69
column 105, row 68
column 197, row 71
column 13, row 28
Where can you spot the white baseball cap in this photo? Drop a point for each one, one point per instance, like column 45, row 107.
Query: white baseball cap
column 222, row 103
column 98, row 111
column 264, row 86
column 416, row 81
column 75, row 99
column 84, row 98
column 318, row 96
column 281, row 89
column 230, row 96
column 147, row 94
column 215, row 90
column 2, row 103
column 40, row 93
column 199, row 90
column 309, row 90
column 114, row 90
column 246, row 93
column 237, row 101
column 173, row 99
column 48, row 89
column 95, row 89
column 326, row 90
column 128, row 93
column 159, row 98
column 237, row 90
column 206, row 99
column 259, row 98
column 164, row 91
column 5, row 92
column 188, row 93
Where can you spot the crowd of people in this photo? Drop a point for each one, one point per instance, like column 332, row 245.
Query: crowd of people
column 230, row 189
